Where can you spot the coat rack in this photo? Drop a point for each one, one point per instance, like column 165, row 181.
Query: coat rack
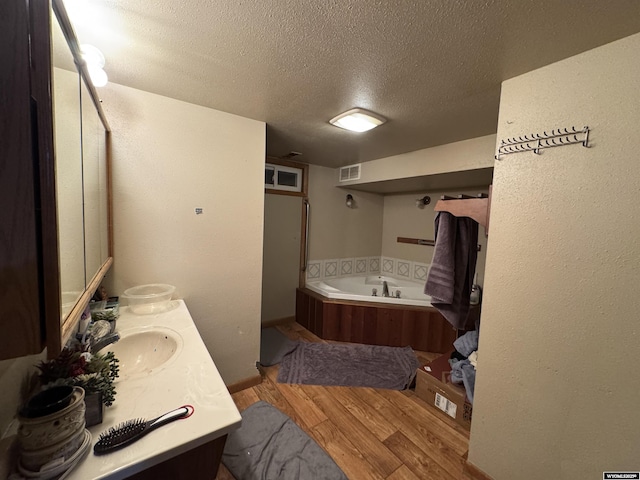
column 537, row 141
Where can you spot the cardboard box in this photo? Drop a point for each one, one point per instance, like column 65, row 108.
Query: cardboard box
column 433, row 386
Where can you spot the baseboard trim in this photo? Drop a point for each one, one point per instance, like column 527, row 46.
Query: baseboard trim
column 474, row 472
column 278, row 321
column 244, row 384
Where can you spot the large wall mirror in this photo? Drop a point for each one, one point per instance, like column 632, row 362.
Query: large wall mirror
column 68, row 157
column 82, row 183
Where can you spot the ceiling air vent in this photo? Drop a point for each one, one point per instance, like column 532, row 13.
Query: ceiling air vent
column 350, row 172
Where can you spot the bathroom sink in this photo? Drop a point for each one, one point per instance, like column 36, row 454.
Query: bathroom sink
column 145, row 350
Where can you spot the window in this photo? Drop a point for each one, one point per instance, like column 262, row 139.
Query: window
column 279, row 177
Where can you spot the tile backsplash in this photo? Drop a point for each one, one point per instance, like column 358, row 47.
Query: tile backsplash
column 348, row 267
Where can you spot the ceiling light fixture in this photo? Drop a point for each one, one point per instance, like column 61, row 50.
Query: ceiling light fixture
column 357, row 120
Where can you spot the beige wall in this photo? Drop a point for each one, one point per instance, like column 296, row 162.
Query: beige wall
column 170, row 157
column 281, row 257
column 336, row 231
column 557, row 387
column 401, row 218
column 470, row 154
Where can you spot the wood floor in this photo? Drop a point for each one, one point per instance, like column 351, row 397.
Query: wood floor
column 370, row 433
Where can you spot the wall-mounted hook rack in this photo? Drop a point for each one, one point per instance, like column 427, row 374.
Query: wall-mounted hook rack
column 536, row 141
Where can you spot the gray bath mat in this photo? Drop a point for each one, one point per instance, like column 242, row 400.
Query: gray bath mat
column 274, row 346
column 349, row 365
column 269, row 445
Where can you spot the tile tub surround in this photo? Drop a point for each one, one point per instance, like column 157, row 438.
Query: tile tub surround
column 189, row 378
column 346, row 267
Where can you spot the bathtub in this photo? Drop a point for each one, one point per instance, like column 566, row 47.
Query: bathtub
column 361, row 289
column 344, row 310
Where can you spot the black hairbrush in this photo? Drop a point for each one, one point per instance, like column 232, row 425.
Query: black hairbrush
column 128, row 432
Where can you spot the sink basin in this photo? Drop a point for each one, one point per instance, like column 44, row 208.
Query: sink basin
column 145, row 350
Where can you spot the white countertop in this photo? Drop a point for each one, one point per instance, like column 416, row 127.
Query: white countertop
column 190, row 377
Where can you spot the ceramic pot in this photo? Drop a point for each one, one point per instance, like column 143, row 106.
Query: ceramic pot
column 34, row 460
column 43, row 432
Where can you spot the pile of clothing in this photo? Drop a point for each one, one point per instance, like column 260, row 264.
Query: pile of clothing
column 464, row 361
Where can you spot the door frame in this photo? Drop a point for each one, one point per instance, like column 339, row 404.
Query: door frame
column 303, row 214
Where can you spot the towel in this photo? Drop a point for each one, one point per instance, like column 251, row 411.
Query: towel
column 467, row 343
column 453, row 266
column 463, row 372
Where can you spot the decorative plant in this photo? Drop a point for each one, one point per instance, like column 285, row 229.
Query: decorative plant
column 95, row 373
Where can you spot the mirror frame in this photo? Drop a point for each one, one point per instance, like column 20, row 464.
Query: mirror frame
column 58, row 333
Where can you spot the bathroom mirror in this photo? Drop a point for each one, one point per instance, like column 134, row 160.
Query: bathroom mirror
column 68, row 165
column 81, row 165
column 95, row 187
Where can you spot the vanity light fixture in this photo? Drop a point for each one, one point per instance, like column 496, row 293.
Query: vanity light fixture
column 421, row 202
column 350, row 201
column 94, row 59
column 357, row 120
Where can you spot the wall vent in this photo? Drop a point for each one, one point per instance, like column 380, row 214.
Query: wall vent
column 350, row 172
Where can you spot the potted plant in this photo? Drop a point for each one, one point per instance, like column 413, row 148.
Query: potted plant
column 95, row 373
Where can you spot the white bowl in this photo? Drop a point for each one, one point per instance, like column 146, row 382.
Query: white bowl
column 147, row 299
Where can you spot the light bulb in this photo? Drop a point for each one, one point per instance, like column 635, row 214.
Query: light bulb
column 349, row 201
column 92, row 55
column 98, row 76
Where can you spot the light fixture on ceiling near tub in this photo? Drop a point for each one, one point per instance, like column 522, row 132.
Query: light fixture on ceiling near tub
column 357, row 120
column 94, row 60
column 350, row 201
column 421, row 202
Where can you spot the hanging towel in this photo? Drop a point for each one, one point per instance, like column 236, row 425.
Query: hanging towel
column 450, row 276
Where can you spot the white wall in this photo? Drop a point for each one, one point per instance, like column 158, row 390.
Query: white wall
column 336, row 231
column 557, row 387
column 472, row 154
column 281, row 255
column 170, row 157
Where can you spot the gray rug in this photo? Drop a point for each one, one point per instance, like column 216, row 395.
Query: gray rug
column 349, row 365
column 269, row 445
column 274, row 346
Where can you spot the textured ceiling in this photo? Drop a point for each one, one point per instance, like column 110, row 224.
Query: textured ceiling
column 432, row 67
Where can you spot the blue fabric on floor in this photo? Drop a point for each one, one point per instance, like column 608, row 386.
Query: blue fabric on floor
column 269, row 445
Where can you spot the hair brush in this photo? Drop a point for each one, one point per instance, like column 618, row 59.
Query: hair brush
column 128, row 432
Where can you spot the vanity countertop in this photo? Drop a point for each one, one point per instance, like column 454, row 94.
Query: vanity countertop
column 190, row 377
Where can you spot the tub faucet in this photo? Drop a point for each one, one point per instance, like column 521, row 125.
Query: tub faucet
column 385, row 289
column 104, row 341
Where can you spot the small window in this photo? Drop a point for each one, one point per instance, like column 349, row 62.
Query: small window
column 269, row 175
column 279, row 177
column 288, row 179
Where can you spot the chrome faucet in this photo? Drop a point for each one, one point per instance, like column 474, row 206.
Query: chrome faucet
column 104, row 341
column 385, row 289
column 101, row 335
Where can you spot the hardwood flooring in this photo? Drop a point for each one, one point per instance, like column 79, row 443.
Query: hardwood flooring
column 370, row 433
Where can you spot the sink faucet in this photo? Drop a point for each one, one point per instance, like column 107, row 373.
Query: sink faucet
column 385, row 289
column 104, row 341
column 100, row 336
